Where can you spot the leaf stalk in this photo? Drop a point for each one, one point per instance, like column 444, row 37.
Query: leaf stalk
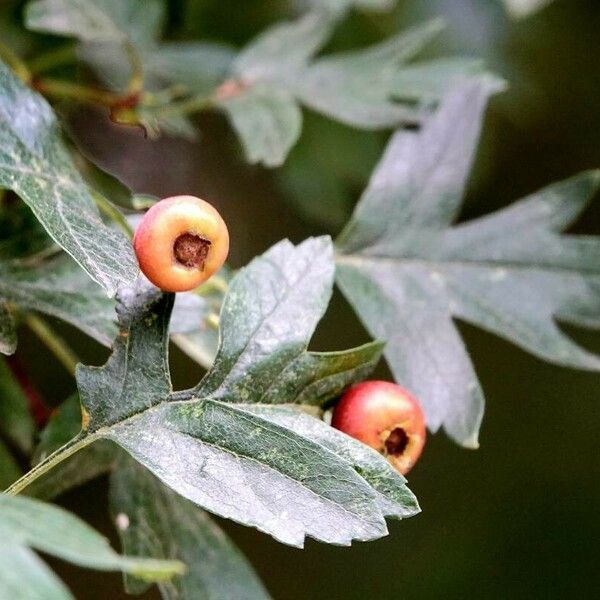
column 15, row 63
column 67, row 358
column 71, row 447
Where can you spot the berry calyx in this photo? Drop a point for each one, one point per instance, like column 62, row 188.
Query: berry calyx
column 180, row 243
column 386, row 417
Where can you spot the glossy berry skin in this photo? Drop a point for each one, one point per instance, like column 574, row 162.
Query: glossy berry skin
column 180, row 243
column 386, row 417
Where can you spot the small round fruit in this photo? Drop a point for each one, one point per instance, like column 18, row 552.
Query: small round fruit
column 180, row 243
column 386, row 417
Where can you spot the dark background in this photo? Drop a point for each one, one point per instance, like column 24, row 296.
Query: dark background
column 518, row 518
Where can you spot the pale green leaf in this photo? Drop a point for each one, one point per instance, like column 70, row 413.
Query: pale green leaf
column 216, row 453
column 60, row 289
column 24, row 575
column 428, row 81
column 154, row 521
column 281, row 51
column 314, row 378
column 268, row 121
column 270, row 312
column 342, row 5
column 27, row 524
column 97, row 20
column 523, row 8
column 395, row 499
column 35, row 163
column 362, row 88
column 357, row 88
column 195, row 67
column 193, row 323
column 245, row 468
column 199, row 66
column 409, row 271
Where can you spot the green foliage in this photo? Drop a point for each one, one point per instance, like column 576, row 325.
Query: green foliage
column 341, row 5
column 90, row 462
column 98, row 20
column 193, row 325
column 523, row 8
column 265, row 328
column 16, row 422
column 408, row 271
column 261, row 88
column 250, row 441
column 35, row 164
column 27, row 524
column 154, row 521
column 59, row 288
column 361, row 89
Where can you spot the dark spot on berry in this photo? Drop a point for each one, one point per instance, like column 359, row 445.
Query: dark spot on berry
column 191, row 250
column 396, row 442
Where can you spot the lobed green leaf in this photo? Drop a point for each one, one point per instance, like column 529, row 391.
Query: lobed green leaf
column 207, row 446
column 36, row 165
column 59, row 288
column 154, row 521
column 408, row 270
column 27, row 524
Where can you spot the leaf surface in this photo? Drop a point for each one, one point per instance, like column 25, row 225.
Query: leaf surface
column 193, row 323
column 408, row 270
column 395, row 499
column 203, row 443
column 90, row 462
column 97, row 20
column 59, row 288
column 362, row 88
column 520, row 9
column 27, row 524
column 342, row 5
column 356, row 88
column 268, row 122
column 154, row 521
column 36, row 165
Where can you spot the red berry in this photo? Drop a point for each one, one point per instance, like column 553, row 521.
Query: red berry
column 180, row 243
column 386, row 417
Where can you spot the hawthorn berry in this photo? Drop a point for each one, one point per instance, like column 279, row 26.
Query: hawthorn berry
column 180, row 243
column 386, row 417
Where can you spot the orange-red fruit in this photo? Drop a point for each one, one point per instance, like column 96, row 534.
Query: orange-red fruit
column 386, row 417
column 180, row 243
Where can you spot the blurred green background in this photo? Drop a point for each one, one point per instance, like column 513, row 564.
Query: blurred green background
column 519, row 518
